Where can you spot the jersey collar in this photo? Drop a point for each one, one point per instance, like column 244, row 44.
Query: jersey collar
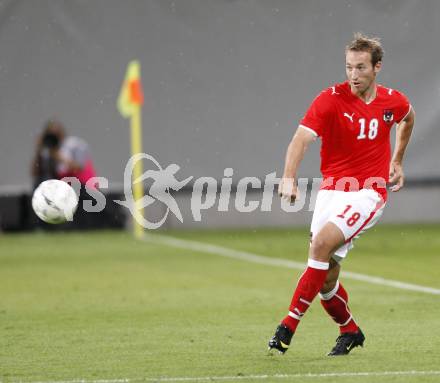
column 348, row 89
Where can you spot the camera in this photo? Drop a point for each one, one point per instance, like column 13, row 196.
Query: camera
column 50, row 140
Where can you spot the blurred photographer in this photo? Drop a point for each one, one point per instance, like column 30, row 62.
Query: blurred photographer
column 58, row 156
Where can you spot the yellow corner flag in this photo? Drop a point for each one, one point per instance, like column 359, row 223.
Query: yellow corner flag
column 130, row 101
column 131, row 96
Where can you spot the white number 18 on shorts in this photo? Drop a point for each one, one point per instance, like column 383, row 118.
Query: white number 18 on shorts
column 352, row 212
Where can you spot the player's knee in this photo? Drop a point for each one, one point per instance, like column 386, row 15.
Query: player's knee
column 328, row 285
column 319, row 250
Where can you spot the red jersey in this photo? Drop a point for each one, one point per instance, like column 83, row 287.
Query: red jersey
column 355, row 136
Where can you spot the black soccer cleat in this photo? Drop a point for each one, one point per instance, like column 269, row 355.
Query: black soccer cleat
column 347, row 342
column 281, row 339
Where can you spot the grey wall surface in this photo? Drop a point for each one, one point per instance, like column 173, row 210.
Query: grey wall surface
column 225, row 81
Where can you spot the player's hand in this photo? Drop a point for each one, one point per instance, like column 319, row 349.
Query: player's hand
column 288, row 190
column 396, row 176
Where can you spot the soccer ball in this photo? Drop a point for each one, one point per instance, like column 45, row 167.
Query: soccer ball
column 54, row 201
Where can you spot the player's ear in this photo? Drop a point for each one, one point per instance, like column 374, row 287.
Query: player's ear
column 378, row 67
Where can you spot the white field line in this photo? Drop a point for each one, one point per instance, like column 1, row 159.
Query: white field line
column 249, row 377
column 260, row 259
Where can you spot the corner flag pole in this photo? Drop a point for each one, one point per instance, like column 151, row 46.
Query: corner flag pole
column 129, row 105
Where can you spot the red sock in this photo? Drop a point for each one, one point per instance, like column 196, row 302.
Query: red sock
column 308, row 287
column 335, row 302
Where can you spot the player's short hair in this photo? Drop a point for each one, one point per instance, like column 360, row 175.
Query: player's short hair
column 362, row 43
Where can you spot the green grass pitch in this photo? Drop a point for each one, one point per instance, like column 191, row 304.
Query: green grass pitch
column 103, row 306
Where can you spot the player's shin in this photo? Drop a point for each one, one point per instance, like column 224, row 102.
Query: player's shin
column 309, row 285
column 335, row 302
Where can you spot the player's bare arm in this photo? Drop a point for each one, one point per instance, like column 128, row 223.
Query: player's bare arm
column 287, row 188
column 403, row 134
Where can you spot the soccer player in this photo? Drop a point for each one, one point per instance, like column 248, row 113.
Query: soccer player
column 353, row 120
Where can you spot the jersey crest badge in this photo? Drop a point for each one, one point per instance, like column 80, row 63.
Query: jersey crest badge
column 388, row 115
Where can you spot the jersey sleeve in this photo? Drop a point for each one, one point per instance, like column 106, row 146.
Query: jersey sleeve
column 318, row 115
column 402, row 106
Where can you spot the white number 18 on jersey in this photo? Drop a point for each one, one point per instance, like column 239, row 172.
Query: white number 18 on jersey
column 372, row 129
